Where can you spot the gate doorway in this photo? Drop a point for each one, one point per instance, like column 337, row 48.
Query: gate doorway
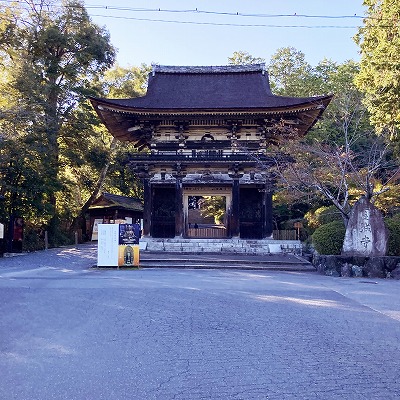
column 206, row 214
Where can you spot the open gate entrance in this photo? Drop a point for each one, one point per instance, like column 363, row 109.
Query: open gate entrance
column 206, row 212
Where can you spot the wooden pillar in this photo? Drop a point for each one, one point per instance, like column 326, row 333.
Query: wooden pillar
column 147, row 207
column 235, row 222
column 179, row 219
column 267, row 215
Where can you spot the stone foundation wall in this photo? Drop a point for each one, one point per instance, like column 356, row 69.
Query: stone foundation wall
column 371, row 267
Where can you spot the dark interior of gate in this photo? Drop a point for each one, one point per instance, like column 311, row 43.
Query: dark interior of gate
column 163, row 213
column 251, row 214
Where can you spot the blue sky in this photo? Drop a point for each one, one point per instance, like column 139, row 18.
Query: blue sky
column 139, row 38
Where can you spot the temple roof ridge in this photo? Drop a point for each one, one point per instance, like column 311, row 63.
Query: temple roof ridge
column 210, row 69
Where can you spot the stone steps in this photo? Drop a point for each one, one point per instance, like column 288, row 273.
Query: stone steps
column 222, row 246
column 281, row 262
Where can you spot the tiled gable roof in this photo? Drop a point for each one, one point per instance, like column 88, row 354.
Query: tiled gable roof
column 222, row 87
column 107, row 200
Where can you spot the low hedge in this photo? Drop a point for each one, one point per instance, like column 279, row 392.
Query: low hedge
column 328, row 238
column 393, row 225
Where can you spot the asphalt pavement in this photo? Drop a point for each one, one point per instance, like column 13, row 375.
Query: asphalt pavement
column 71, row 331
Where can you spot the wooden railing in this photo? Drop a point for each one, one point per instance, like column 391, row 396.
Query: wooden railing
column 221, row 233
column 286, row 234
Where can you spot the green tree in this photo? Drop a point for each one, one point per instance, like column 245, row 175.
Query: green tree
column 324, row 159
column 379, row 77
column 103, row 163
column 243, row 58
column 123, row 82
column 291, row 74
column 55, row 54
column 346, row 114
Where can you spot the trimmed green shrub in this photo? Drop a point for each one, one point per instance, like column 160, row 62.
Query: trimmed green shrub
column 328, row 238
column 393, row 225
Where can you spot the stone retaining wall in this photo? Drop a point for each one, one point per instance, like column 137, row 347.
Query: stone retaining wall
column 371, row 267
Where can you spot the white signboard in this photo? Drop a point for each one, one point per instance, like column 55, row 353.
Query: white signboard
column 107, row 245
column 1, row 231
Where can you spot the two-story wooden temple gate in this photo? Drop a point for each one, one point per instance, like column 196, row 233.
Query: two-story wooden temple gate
column 208, row 131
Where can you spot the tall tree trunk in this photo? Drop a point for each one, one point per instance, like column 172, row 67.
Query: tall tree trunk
column 51, row 156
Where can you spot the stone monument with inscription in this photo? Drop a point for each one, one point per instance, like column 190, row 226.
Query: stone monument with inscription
column 366, row 234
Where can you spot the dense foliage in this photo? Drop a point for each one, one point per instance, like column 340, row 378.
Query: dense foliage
column 328, row 238
column 47, row 69
column 393, row 225
column 55, row 155
column 379, row 78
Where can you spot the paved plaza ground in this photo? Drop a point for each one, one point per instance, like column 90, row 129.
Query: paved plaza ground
column 70, row 331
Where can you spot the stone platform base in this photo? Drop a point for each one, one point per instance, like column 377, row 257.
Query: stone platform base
column 371, row 267
column 222, row 246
